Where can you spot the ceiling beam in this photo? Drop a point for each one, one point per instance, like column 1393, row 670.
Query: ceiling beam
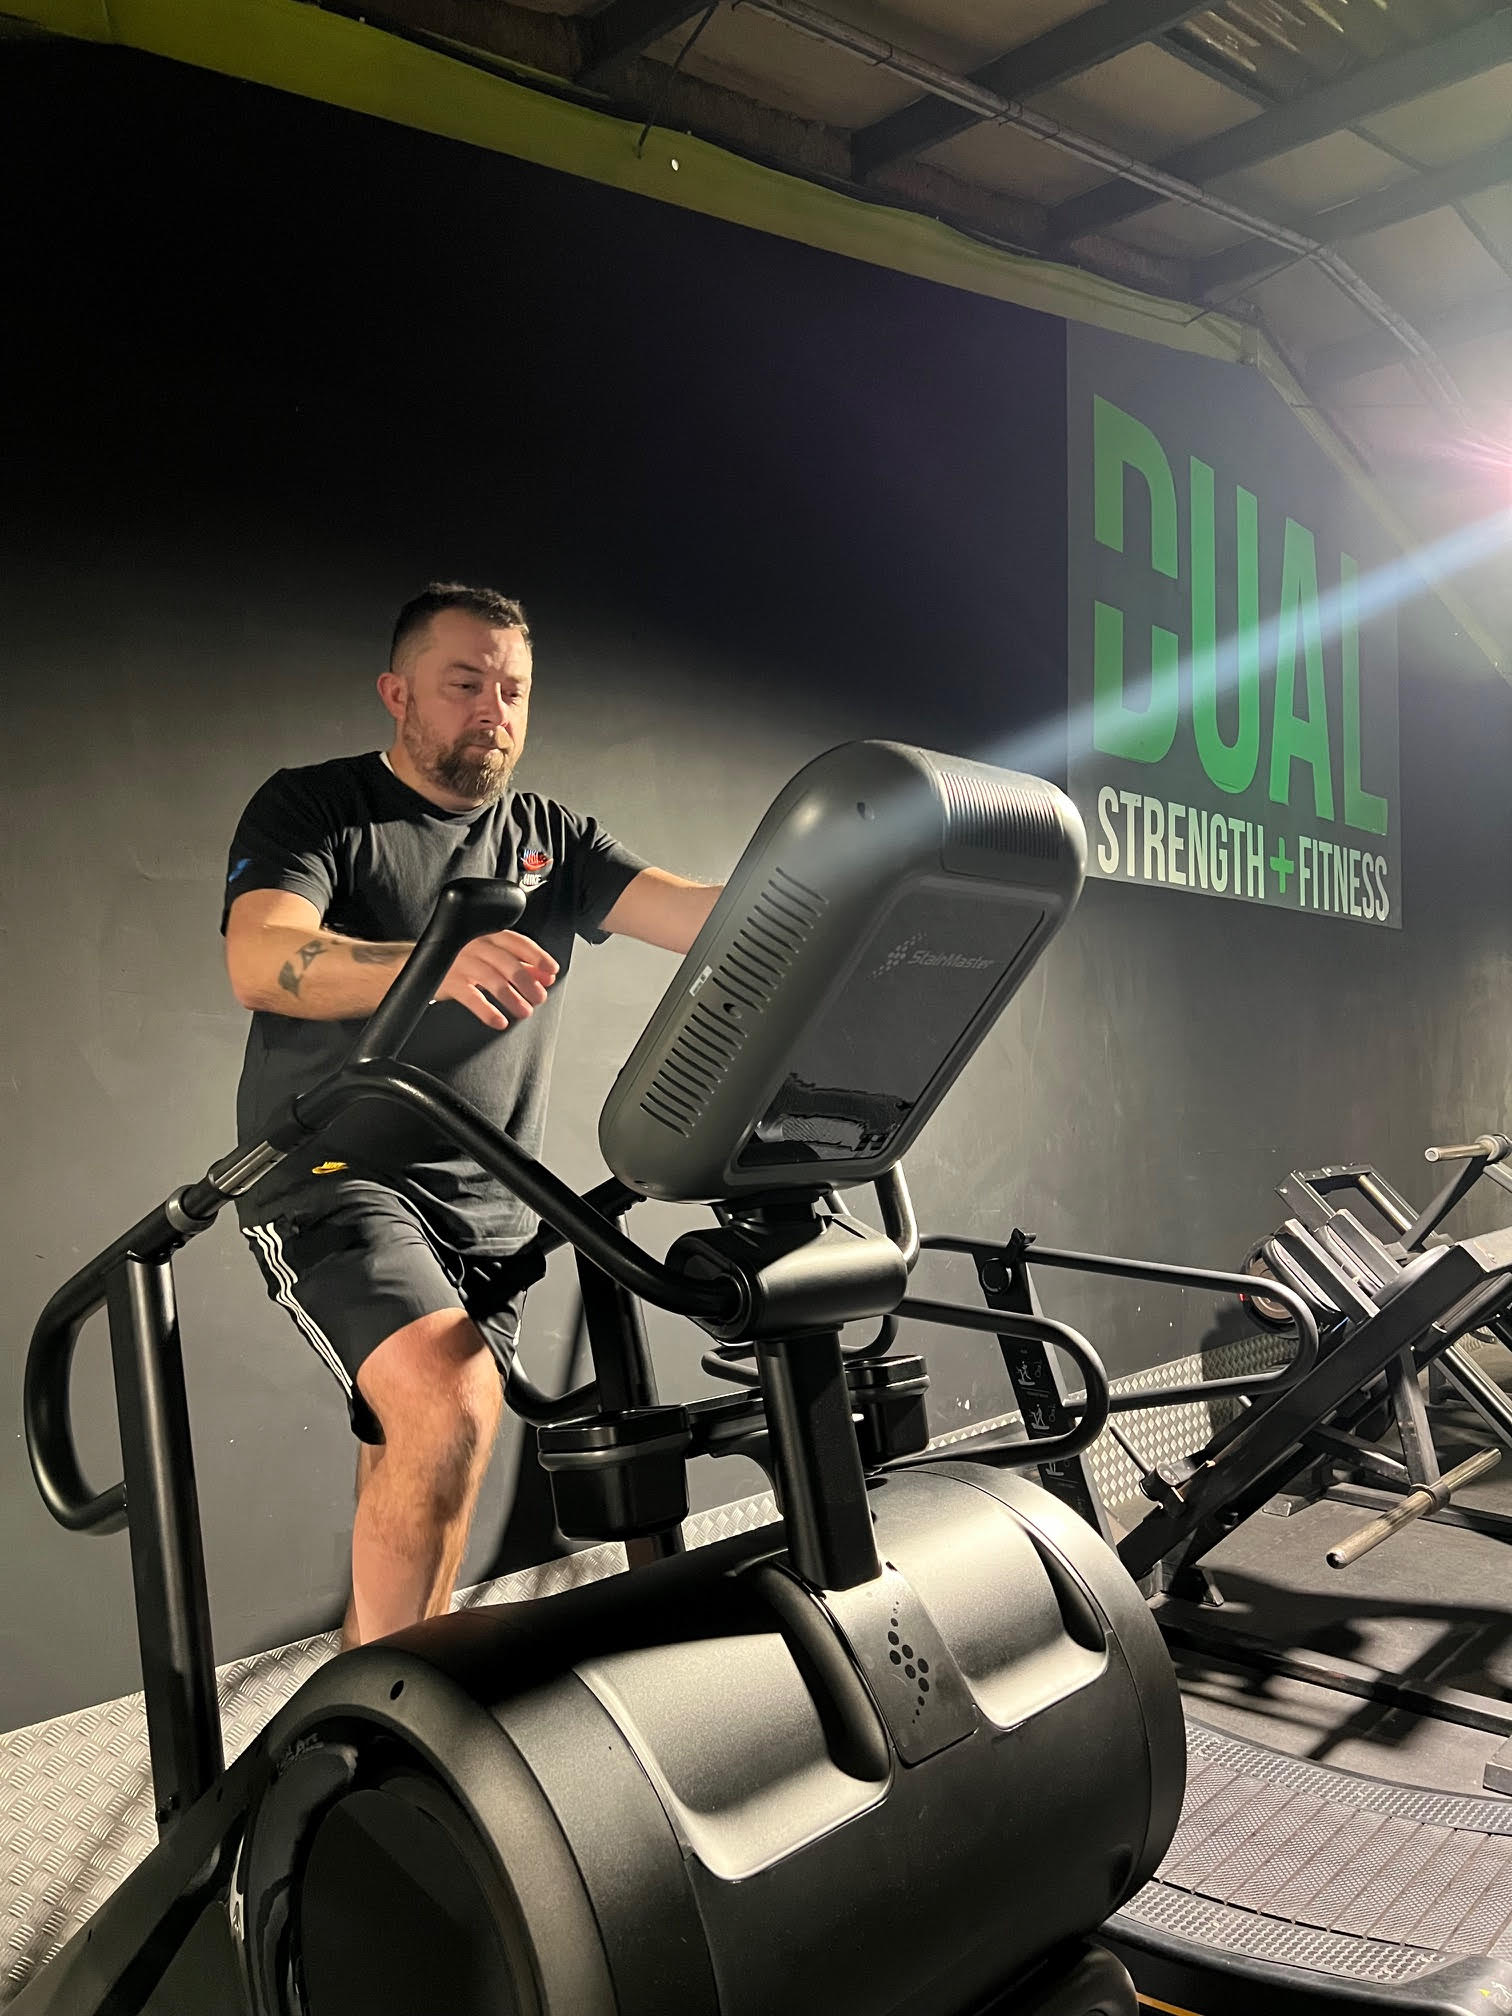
column 1415, row 197
column 1064, row 51
column 1394, row 80
column 627, row 28
column 1334, row 364
column 525, row 35
column 1207, row 64
column 498, row 30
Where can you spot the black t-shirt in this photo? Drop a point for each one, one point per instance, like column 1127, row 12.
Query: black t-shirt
column 372, row 856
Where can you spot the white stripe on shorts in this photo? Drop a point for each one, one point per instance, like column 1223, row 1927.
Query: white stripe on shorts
column 270, row 1244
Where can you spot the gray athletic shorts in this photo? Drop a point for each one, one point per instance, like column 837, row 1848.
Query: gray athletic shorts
column 354, row 1263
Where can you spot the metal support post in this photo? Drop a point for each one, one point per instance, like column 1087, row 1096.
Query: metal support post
column 167, row 1554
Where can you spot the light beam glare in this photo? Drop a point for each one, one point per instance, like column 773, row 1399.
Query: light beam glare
column 1045, row 745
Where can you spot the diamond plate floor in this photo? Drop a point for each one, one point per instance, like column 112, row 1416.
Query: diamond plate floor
column 1310, row 1867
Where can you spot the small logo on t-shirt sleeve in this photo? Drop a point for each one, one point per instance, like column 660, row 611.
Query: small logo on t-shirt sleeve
column 241, row 866
column 535, row 866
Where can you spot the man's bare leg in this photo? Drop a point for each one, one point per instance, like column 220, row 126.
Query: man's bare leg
column 435, row 1388
column 369, row 1456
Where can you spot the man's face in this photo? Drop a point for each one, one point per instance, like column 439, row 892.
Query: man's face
column 462, row 709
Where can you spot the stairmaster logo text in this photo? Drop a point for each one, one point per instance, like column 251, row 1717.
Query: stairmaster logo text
column 914, row 952
column 1233, row 679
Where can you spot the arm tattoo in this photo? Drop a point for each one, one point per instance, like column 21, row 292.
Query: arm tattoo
column 292, row 976
column 379, row 955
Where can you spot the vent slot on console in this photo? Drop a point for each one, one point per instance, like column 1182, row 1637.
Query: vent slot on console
column 693, row 1069
column 769, row 940
column 781, row 919
column 751, row 971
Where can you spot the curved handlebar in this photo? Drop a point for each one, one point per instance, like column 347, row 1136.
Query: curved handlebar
column 471, row 907
column 46, row 1411
column 898, row 1220
column 547, row 1195
column 567, row 1216
column 66, row 1492
column 466, row 909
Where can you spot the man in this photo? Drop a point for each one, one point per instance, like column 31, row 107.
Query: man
column 377, row 1243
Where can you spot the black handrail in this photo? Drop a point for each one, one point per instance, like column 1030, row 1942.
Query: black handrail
column 898, row 1220
column 468, row 908
column 1279, row 1380
column 568, row 1218
column 547, row 1195
column 471, row 907
column 46, row 1411
column 1093, row 1409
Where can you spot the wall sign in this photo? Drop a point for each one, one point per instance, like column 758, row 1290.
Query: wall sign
column 1233, row 661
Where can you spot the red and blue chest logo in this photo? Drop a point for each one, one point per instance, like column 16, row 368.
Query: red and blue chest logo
column 535, row 866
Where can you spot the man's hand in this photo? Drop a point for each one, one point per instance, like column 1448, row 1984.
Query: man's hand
column 283, row 961
column 501, row 978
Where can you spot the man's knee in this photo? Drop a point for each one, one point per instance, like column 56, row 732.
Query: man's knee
column 435, row 1389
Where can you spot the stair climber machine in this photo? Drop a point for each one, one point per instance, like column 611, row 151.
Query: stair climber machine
column 902, row 1752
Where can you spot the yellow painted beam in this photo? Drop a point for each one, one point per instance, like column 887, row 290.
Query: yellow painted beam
column 86, row 20
column 340, row 61
column 304, row 50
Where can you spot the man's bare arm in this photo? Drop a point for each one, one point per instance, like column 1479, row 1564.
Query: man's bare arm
column 662, row 909
column 283, row 961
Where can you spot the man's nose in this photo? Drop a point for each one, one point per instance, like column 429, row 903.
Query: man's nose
column 495, row 708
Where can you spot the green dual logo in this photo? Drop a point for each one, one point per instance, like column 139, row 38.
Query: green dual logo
column 1299, row 721
column 1232, row 684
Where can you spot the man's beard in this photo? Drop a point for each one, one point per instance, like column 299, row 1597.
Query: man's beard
column 478, row 771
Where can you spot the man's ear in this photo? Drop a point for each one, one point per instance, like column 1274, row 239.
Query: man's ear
column 392, row 687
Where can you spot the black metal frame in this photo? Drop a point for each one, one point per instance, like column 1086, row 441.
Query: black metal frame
column 1390, row 1310
column 1309, row 1197
column 167, row 1553
column 1262, row 1452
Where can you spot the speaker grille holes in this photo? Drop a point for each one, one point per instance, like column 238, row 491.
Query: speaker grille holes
column 903, row 1655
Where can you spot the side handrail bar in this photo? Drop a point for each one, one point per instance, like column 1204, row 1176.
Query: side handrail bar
column 547, row 1195
column 1093, row 1409
column 898, row 1220
column 566, row 1216
column 467, row 908
column 1277, row 1380
column 45, row 1406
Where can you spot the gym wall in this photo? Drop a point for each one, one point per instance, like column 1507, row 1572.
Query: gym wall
column 271, row 366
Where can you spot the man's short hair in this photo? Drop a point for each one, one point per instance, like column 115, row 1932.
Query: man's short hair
column 414, row 619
